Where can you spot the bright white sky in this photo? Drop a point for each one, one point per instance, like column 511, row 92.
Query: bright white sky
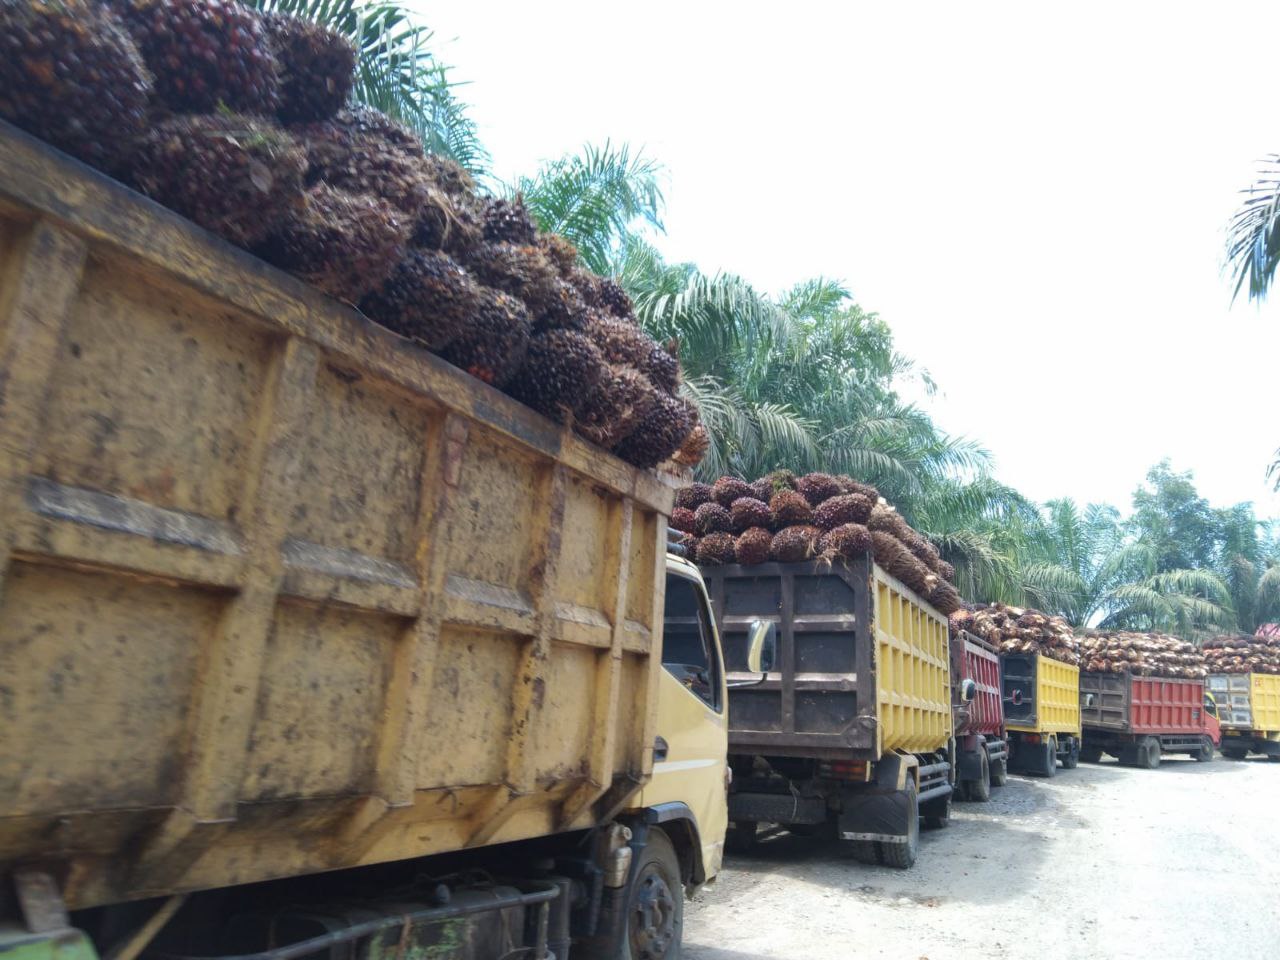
column 1032, row 196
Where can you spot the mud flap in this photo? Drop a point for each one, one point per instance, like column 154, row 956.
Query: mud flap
column 880, row 810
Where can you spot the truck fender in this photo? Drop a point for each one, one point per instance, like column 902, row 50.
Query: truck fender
column 681, row 827
column 879, row 810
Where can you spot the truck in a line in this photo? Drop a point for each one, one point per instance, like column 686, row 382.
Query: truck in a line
column 1042, row 712
column 1249, row 711
column 1139, row 719
column 850, row 736
column 977, row 703
column 310, row 641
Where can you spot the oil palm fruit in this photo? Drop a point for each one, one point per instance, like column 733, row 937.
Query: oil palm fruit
column 316, row 66
column 427, row 297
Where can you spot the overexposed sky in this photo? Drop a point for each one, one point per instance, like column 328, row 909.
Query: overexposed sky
column 1032, row 195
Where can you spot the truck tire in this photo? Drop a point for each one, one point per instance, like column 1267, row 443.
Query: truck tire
column 1049, row 758
column 655, row 903
column 937, row 813
column 1149, row 754
column 864, row 851
column 903, row 855
column 1090, row 754
column 1205, row 753
column 1234, row 753
column 980, row 790
column 1072, row 759
column 1000, row 772
column 741, row 836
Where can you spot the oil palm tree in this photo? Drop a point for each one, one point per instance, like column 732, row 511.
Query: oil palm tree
column 396, row 71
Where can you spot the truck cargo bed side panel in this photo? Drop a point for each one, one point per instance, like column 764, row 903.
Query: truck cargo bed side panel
column 1141, row 705
column 976, row 660
column 913, row 669
column 283, row 592
column 1247, row 701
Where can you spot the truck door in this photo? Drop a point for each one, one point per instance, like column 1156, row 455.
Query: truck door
column 690, row 760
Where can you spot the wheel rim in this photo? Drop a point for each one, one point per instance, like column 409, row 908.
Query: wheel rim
column 653, row 916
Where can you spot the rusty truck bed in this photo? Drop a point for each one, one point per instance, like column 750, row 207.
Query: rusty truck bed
column 280, row 592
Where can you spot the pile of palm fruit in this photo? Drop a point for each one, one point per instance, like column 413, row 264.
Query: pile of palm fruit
column 1141, row 654
column 1242, row 654
column 1020, row 630
column 243, row 122
column 786, row 518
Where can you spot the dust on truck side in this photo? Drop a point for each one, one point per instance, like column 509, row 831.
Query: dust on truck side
column 851, row 734
column 1139, row 719
column 977, row 705
column 1042, row 712
column 308, row 640
column 1249, row 710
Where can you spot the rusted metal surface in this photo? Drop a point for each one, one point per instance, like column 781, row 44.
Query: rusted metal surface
column 279, row 591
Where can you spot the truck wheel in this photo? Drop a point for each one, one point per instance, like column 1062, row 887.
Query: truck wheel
column 1149, row 754
column 980, row 789
column 937, row 813
column 903, row 855
column 1072, row 759
column 1000, row 772
column 741, row 836
column 864, row 851
column 1205, row 753
column 1090, row 754
column 655, row 903
column 1049, row 757
column 1234, row 753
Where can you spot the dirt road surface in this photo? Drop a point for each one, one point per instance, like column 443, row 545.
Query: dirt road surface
column 1101, row 862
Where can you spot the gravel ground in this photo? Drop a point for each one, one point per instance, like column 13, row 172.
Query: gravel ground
column 1101, row 862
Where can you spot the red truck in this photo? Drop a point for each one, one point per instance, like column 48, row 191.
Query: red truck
column 1138, row 719
column 977, row 705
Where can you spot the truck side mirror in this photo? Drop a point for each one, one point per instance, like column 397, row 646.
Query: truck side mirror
column 968, row 690
column 1088, row 700
column 762, row 646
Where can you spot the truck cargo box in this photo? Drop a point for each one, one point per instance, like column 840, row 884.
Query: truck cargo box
column 283, row 592
column 1041, row 695
column 1145, row 705
column 863, row 664
column 1247, row 701
column 978, row 661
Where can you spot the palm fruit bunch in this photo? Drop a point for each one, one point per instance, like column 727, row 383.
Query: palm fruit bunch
column 1142, row 655
column 71, row 74
column 343, row 243
column 316, row 68
column 716, row 548
column 788, row 519
column 621, row 399
column 561, row 369
column 1020, row 630
column 205, row 54
column 234, row 175
column 507, row 221
column 1244, row 654
column 428, row 298
column 493, row 345
column 684, row 520
column 659, row 433
column 694, row 448
column 562, row 253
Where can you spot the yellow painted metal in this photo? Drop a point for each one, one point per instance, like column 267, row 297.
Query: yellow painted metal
column 697, row 736
column 1057, row 698
column 280, row 592
column 913, row 669
column 1249, row 702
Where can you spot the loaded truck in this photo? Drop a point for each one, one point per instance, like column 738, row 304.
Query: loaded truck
column 310, row 643
column 977, row 706
column 1139, row 719
column 1249, row 711
column 1042, row 712
column 850, row 736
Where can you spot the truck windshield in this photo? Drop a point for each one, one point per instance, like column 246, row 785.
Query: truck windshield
column 687, row 650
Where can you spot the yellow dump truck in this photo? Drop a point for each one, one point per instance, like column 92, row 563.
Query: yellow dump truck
column 1249, row 711
column 310, row 642
column 852, row 734
column 1042, row 712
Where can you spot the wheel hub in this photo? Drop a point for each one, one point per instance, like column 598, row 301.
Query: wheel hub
column 653, row 914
